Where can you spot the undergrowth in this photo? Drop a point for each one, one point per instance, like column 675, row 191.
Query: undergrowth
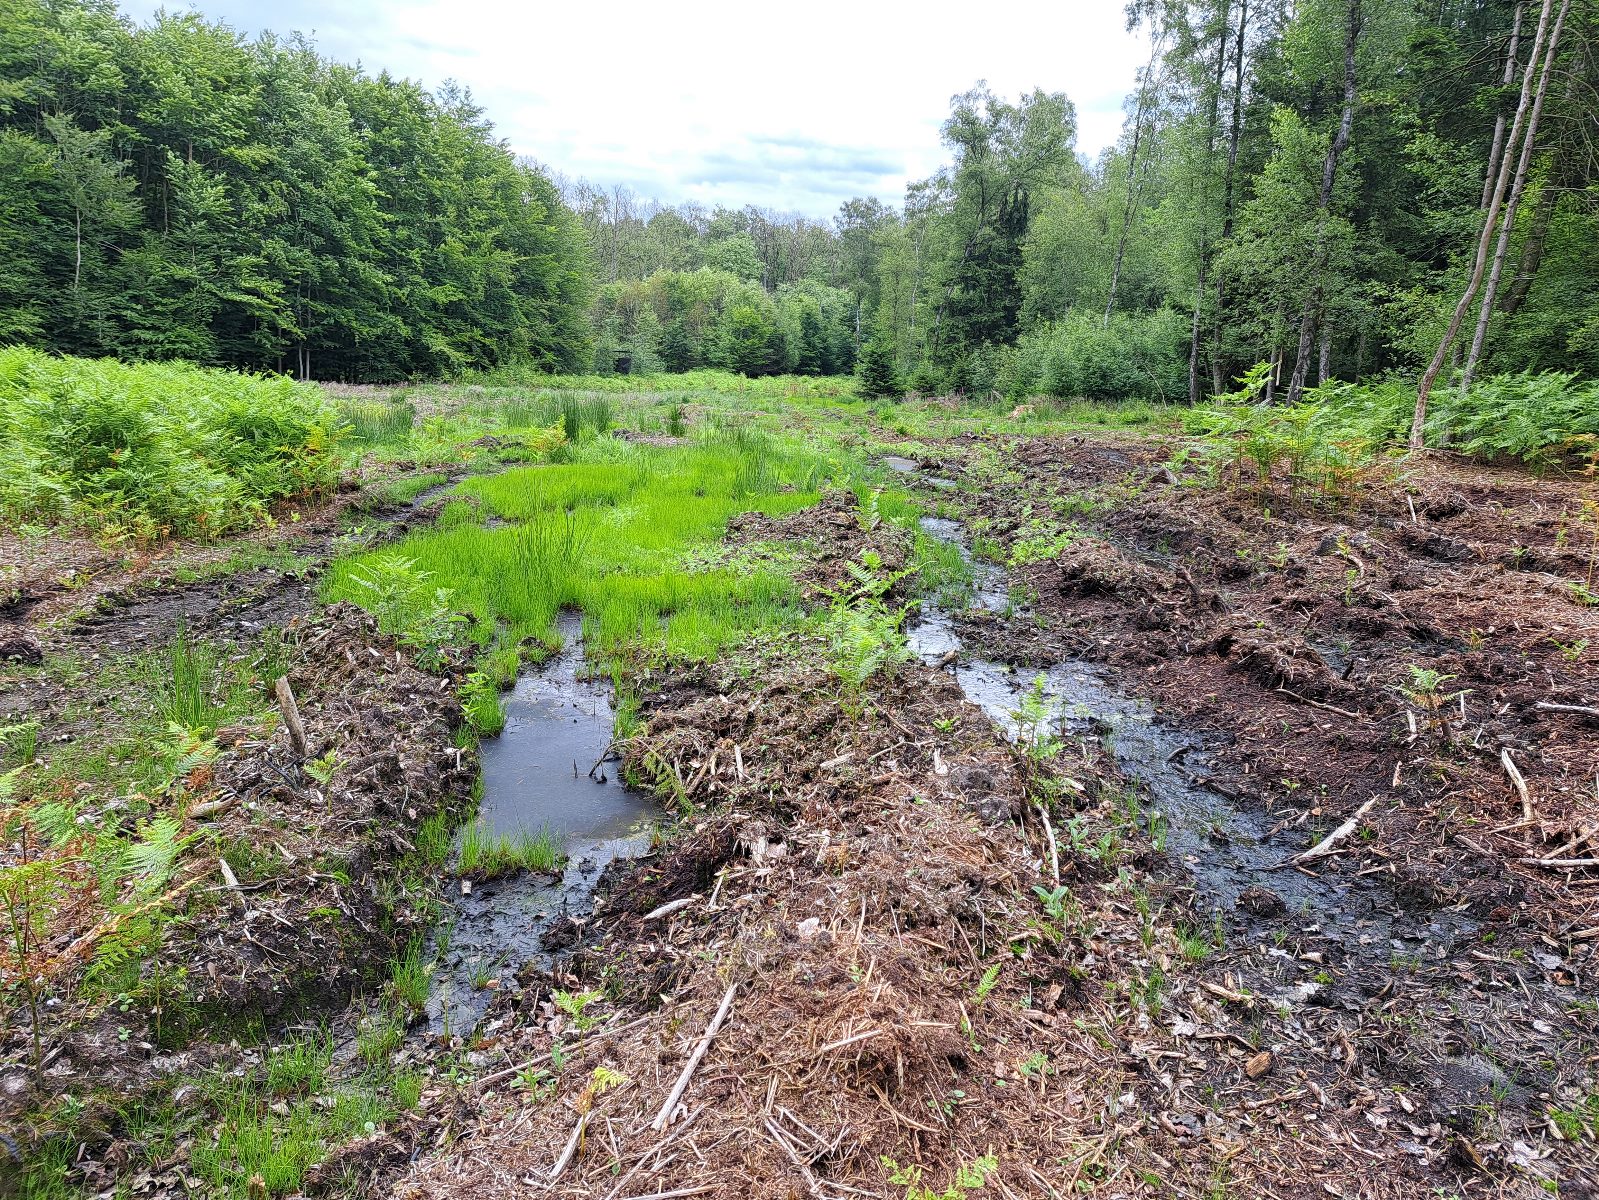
column 1338, row 429
column 146, row 451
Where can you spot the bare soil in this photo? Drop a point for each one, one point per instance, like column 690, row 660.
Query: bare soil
column 858, row 874
column 860, row 880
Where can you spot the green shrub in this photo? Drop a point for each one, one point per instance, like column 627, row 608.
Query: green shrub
column 1135, row 357
column 157, row 449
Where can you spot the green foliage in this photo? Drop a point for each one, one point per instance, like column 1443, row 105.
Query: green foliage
column 156, row 450
column 605, row 532
column 409, row 977
column 864, row 633
column 486, row 855
column 878, row 375
column 1340, row 428
column 575, row 1005
column 969, row 1177
column 399, row 596
column 1136, row 356
column 1037, row 722
column 253, row 204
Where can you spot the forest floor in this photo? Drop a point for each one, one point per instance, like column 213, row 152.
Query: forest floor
column 1282, row 881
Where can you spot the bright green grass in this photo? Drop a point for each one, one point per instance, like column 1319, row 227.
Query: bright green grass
column 607, row 533
column 486, row 855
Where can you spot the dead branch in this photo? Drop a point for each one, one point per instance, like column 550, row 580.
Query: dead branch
column 670, row 907
column 207, row 809
column 1581, row 710
column 571, row 1145
column 1329, row 843
column 664, row 1117
column 488, row 1081
column 1560, row 864
column 1054, row 851
column 1520, row 783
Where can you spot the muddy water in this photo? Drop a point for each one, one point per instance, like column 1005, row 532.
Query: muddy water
column 909, row 466
column 536, row 775
column 1226, row 846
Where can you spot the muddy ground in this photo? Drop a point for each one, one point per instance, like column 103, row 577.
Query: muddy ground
column 854, row 884
column 862, row 883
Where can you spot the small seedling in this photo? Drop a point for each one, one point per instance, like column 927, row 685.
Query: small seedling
column 987, row 983
column 574, row 1006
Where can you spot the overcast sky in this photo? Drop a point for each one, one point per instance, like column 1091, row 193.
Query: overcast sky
column 790, row 106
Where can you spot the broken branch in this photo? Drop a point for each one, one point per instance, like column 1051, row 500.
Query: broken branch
column 1519, row 782
column 1329, row 843
column 663, row 1118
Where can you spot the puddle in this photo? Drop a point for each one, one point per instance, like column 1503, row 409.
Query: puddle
column 1226, row 847
column 909, row 466
column 536, row 776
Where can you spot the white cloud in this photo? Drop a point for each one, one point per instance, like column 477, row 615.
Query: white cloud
column 794, row 107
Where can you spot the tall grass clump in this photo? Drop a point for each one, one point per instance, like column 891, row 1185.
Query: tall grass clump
column 156, row 449
column 487, row 855
column 606, row 533
column 378, row 422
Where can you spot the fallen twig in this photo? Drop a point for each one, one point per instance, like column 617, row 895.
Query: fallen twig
column 207, row 809
column 1332, row 708
column 665, row 1115
column 1580, row 709
column 656, row 1149
column 1560, row 864
column 1327, row 844
column 488, row 1081
column 1054, row 852
column 571, row 1145
column 670, row 907
column 1518, row 781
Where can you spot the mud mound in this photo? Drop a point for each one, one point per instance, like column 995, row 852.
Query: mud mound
column 315, row 857
column 835, row 531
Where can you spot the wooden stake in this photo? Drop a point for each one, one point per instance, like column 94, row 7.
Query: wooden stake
column 291, row 718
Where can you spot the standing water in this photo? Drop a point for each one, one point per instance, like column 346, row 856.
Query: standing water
column 1226, row 847
column 537, row 777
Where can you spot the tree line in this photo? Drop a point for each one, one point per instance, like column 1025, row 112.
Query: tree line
column 178, row 191
column 1341, row 189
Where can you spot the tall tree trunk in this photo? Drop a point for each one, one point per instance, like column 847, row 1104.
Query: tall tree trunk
column 1491, row 292
column 1311, row 314
column 1523, row 132
column 1132, row 171
column 1498, row 145
column 1326, row 353
column 77, row 262
column 1228, row 213
column 1206, row 248
column 1532, row 250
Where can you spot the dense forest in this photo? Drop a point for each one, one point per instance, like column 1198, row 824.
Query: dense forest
column 1328, row 186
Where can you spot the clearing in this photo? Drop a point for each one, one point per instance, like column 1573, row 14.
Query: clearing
column 730, row 788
